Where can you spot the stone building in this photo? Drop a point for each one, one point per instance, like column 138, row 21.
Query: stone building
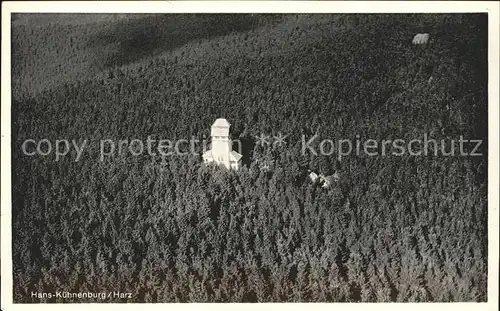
column 221, row 150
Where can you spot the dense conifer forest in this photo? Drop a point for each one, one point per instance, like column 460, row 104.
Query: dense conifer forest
column 391, row 228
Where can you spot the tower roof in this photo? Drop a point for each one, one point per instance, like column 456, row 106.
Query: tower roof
column 221, row 122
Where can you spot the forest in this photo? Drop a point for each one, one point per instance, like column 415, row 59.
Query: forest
column 171, row 229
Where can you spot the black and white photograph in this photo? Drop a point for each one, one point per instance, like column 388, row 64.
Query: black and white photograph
column 178, row 156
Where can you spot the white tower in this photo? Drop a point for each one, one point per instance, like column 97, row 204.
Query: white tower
column 222, row 151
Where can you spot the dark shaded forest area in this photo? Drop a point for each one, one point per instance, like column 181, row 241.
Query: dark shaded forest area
column 408, row 228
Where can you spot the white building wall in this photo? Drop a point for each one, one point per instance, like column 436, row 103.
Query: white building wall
column 221, row 148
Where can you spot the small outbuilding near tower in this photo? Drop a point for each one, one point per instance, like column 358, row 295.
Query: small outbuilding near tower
column 222, row 150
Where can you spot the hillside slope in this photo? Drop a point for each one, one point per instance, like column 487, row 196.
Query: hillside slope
column 394, row 228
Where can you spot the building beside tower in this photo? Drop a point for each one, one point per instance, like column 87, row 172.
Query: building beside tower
column 221, row 150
